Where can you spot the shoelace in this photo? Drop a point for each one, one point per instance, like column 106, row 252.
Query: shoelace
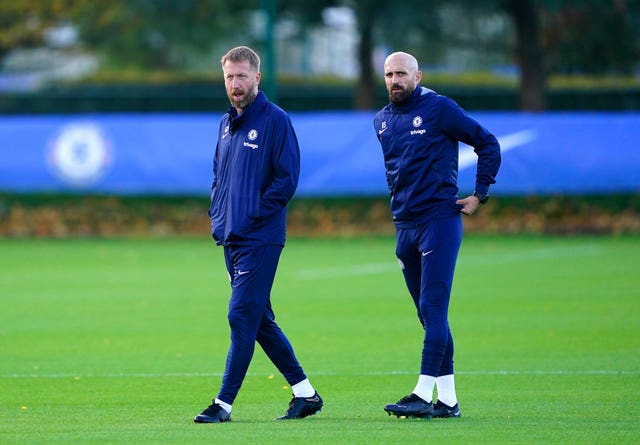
column 410, row 398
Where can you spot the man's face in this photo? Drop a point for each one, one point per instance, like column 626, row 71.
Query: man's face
column 241, row 82
column 401, row 78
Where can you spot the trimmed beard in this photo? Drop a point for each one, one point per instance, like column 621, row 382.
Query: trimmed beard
column 397, row 97
column 248, row 99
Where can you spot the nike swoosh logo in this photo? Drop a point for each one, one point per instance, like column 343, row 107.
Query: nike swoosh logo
column 507, row 142
column 383, row 130
column 427, row 252
column 243, row 272
column 313, row 399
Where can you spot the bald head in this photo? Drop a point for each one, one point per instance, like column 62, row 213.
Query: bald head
column 401, row 76
column 401, row 59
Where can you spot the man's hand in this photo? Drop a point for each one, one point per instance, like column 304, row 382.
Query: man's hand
column 469, row 204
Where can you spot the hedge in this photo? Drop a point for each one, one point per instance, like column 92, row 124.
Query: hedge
column 66, row 216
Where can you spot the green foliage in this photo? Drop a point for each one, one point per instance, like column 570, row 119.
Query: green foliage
column 592, row 37
column 154, row 34
column 154, row 40
column 307, row 11
column 124, row 341
column 23, row 22
column 128, row 33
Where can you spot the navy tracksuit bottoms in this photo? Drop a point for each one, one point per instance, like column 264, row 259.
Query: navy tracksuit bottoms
column 252, row 270
column 428, row 255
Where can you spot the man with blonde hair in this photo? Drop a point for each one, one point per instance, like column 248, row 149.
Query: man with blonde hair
column 255, row 173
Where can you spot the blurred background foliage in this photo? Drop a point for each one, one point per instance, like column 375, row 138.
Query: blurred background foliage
column 63, row 216
column 529, row 47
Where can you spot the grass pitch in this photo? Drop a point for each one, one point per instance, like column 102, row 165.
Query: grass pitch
column 124, row 341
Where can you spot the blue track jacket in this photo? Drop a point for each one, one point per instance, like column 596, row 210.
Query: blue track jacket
column 255, row 173
column 419, row 140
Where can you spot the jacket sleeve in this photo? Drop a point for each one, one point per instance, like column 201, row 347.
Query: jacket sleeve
column 457, row 124
column 214, row 182
column 285, row 163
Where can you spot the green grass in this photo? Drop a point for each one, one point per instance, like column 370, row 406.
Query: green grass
column 124, row 341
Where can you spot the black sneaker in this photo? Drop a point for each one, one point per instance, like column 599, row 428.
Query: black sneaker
column 213, row 414
column 411, row 406
column 443, row 411
column 301, row 407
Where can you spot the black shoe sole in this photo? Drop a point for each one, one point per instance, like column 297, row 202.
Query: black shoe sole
column 448, row 416
column 408, row 416
column 207, row 419
column 446, row 412
column 296, row 418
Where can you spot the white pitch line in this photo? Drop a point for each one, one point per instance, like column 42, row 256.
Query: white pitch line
column 540, row 254
column 325, row 374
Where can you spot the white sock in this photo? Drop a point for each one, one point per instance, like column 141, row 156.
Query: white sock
column 303, row 389
column 424, row 388
column 446, row 390
column 224, row 405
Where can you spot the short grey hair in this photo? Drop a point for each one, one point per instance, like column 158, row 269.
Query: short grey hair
column 241, row 54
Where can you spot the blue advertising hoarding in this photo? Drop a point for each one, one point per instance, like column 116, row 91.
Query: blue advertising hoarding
column 171, row 154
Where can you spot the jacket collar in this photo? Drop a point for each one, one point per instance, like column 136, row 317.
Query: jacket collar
column 254, row 107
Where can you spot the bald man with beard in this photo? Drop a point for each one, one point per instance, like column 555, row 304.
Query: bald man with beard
column 419, row 132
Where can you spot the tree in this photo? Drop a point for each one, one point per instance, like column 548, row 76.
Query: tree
column 423, row 18
column 23, row 24
column 528, row 52
column 366, row 86
column 147, row 34
column 158, row 34
column 593, row 36
column 545, row 36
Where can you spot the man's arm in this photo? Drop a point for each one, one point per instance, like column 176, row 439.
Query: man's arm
column 456, row 123
column 286, row 169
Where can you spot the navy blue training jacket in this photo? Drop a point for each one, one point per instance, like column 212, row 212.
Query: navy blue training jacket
column 255, row 173
column 419, row 140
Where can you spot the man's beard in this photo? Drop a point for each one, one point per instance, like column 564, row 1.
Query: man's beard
column 397, row 96
column 249, row 97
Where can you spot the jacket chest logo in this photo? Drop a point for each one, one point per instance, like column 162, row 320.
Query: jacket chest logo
column 417, row 123
column 252, row 136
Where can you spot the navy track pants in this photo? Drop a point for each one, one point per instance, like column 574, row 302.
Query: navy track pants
column 252, row 270
column 428, row 255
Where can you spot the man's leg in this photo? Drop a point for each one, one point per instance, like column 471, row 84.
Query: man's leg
column 276, row 345
column 250, row 288
column 253, row 270
column 439, row 245
column 443, row 243
column 410, row 262
column 410, row 258
column 447, row 403
column 278, row 348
